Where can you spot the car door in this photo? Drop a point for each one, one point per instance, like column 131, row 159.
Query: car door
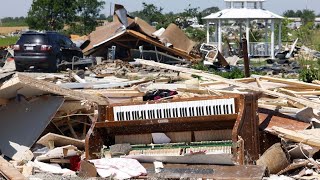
column 69, row 49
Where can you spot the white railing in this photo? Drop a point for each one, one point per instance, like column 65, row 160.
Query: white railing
column 260, row 49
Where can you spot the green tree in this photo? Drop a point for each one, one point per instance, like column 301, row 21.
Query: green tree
column 88, row 12
column 210, row 10
column 307, row 16
column 80, row 15
column 290, row 13
column 285, row 30
column 51, row 14
column 151, row 13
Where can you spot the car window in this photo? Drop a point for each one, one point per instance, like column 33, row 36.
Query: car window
column 67, row 41
column 33, row 39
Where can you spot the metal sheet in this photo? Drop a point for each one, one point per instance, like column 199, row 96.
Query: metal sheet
column 22, row 122
column 206, row 171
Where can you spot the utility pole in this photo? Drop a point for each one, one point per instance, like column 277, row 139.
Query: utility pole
column 306, row 4
column 110, row 9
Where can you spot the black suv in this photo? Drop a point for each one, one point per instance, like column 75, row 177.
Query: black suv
column 44, row 50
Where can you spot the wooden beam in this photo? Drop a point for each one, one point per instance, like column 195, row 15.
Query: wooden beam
column 288, row 82
column 230, row 81
column 297, row 136
column 123, row 45
column 160, row 45
column 8, row 171
column 71, row 128
column 126, row 40
column 243, row 80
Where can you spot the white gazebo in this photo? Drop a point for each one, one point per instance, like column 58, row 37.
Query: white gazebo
column 245, row 12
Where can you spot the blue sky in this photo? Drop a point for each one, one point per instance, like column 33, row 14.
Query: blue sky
column 13, row 8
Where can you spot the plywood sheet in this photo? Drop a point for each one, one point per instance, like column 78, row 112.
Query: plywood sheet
column 22, row 122
column 60, row 140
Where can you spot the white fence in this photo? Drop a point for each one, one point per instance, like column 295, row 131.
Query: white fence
column 260, row 49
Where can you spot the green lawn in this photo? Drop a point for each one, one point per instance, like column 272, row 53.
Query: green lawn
column 8, row 41
column 14, row 24
column 316, row 39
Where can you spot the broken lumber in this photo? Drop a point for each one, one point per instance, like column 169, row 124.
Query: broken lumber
column 229, row 81
column 8, row 171
column 297, row 136
column 77, row 78
column 288, row 82
column 29, row 87
column 60, row 140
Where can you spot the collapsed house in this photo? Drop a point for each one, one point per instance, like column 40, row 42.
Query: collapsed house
column 134, row 38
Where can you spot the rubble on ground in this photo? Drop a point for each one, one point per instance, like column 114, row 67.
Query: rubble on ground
column 159, row 119
column 288, row 114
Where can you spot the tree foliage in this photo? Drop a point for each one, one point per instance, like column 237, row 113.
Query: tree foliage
column 150, row 13
column 51, row 14
column 87, row 15
column 13, row 21
column 80, row 15
column 306, row 15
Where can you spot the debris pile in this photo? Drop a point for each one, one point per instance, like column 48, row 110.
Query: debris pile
column 145, row 118
column 63, row 109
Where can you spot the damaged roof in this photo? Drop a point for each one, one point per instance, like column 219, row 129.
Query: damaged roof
column 172, row 39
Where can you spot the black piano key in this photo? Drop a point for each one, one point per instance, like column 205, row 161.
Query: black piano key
column 214, row 110
column 122, row 116
column 227, row 109
column 118, row 116
column 144, row 114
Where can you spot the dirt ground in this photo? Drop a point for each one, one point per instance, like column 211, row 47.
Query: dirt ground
column 6, row 30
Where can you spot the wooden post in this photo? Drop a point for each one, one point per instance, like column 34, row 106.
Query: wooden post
column 245, row 58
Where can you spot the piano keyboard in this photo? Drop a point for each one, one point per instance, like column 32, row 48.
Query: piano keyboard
column 174, row 110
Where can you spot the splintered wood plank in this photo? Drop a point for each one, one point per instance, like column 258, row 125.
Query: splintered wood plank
column 296, row 136
column 289, row 82
column 8, row 171
column 29, row 87
column 232, row 82
column 60, row 140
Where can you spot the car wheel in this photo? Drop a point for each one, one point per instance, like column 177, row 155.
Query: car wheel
column 55, row 65
column 19, row 68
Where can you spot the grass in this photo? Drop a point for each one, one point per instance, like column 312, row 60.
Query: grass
column 8, row 41
column 316, row 39
column 14, row 24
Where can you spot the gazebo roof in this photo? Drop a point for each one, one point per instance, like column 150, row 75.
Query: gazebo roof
column 243, row 13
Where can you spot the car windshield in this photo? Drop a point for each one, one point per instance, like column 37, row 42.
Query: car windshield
column 33, row 39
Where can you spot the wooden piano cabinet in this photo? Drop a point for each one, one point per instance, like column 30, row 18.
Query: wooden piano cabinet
column 243, row 123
